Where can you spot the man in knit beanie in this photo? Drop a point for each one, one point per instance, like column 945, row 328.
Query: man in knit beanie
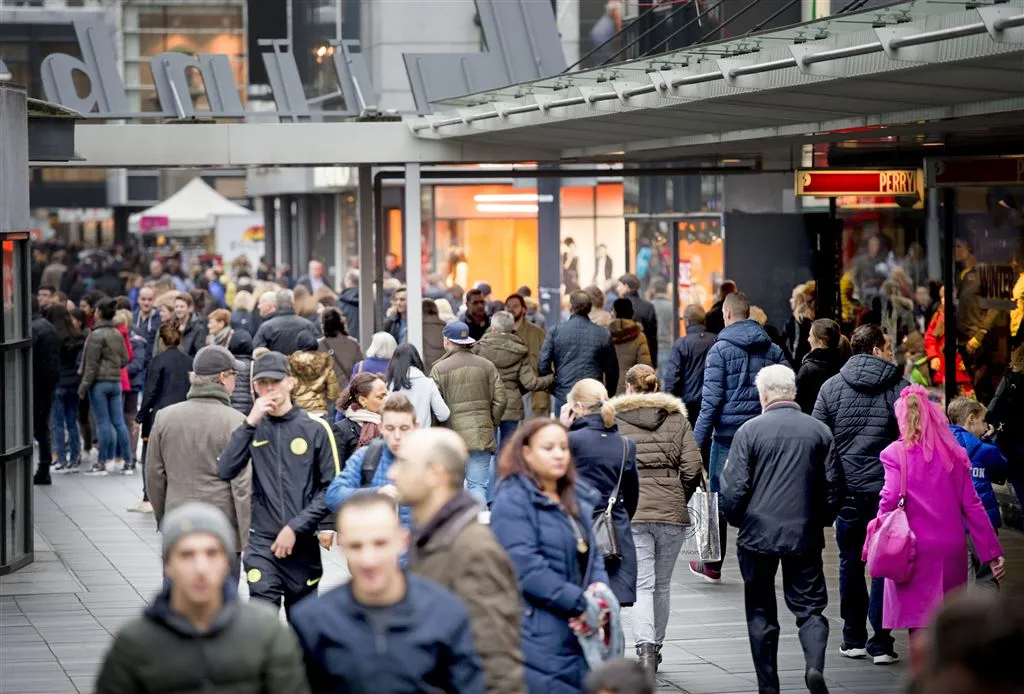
column 197, row 635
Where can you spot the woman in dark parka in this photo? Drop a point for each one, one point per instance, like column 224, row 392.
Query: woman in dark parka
column 546, row 530
column 599, row 451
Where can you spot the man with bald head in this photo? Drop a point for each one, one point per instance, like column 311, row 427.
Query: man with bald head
column 453, row 548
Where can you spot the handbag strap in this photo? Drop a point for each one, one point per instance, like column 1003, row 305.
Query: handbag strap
column 902, row 457
column 622, row 468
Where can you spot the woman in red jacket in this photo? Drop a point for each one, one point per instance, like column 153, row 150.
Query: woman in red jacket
column 934, row 346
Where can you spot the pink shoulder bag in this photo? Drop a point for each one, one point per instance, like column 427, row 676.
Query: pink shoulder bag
column 891, row 547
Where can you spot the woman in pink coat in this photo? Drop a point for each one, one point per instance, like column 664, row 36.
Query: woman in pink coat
column 940, row 502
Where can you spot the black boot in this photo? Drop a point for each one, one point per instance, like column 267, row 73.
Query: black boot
column 647, row 654
column 657, row 661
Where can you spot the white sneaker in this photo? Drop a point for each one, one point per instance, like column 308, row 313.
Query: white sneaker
column 141, row 507
column 886, row 659
column 851, row 652
column 115, row 465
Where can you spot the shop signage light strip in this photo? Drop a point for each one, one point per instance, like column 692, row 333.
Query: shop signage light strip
column 992, row 22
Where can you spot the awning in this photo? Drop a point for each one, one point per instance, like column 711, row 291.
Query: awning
column 913, row 65
column 193, row 209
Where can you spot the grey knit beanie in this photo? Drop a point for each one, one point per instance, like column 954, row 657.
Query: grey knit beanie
column 196, row 517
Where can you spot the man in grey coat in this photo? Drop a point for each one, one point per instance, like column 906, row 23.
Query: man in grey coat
column 186, row 441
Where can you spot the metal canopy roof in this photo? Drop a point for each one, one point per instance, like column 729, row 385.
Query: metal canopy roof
column 904, row 65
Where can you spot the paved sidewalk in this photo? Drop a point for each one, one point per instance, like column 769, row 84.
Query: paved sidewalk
column 97, row 564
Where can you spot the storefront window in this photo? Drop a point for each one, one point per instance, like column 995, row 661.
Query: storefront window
column 14, row 392
column 489, row 233
column 13, row 278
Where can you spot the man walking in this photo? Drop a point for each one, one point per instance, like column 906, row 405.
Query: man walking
column 385, row 630
column 348, row 303
column 729, row 397
column 147, row 320
column 280, row 332
column 294, row 458
column 643, row 312
column 369, row 466
column 181, row 464
column 506, row 350
column 452, row 548
column 536, row 404
column 45, row 375
column 197, row 636
column 857, row 404
column 475, row 316
column 578, row 349
column 684, row 375
column 781, row 487
column 472, row 387
column 398, row 324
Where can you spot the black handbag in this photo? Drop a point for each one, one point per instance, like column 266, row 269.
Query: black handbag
column 604, row 525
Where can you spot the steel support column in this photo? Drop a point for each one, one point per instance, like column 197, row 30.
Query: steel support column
column 287, row 239
column 549, row 249
column 336, row 231
column 949, row 283
column 269, row 230
column 413, row 267
column 305, row 208
column 366, row 262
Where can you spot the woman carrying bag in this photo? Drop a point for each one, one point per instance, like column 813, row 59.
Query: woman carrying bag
column 606, row 463
column 670, row 468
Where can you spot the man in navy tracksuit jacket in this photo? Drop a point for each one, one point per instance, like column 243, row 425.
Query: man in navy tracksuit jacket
column 294, row 458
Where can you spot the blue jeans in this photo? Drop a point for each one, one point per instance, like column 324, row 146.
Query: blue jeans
column 64, row 423
column 107, row 403
column 478, row 471
column 856, row 604
column 716, row 461
column 502, row 434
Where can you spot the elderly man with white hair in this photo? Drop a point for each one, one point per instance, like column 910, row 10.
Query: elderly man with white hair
column 280, row 331
column 781, row 486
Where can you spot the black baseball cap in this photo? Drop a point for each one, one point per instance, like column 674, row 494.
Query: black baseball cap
column 272, row 365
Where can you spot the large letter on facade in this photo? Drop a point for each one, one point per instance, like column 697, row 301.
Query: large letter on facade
column 170, row 75
column 98, row 63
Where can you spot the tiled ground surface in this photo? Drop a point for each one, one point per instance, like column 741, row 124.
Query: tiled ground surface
column 96, row 564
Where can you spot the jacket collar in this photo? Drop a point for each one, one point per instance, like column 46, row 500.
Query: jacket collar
column 782, row 405
column 697, row 330
column 160, row 611
column 290, row 415
column 446, row 524
column 591, row 421
column 403, row 613
column 208, row 391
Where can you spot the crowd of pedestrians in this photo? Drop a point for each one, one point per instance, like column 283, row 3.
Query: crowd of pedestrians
column 494, row 534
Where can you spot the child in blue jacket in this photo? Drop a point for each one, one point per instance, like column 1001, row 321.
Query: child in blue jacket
column 967, row 417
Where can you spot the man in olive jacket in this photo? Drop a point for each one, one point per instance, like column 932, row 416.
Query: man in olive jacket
column 181, row 459
column 536, row 404
column 472, row 387
column 501, row 346
column 453, row 548
column 198, row 636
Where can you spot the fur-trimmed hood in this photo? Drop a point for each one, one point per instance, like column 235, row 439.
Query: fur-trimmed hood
column 647, row 410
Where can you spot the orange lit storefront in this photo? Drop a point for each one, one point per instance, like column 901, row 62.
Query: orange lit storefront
column 493, row 228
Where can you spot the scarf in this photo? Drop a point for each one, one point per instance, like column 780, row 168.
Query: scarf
column 222, row 338
column 370, row 422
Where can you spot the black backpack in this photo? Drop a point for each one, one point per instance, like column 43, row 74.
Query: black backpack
column 371, row 461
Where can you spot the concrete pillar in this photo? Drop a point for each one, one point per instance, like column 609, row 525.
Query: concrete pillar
column 270, row 229
column 413, row 267
column 336, row 235
column 933, row 239
column 366, row 257
column 286, row 239
column 305, row 208
column 549, row 249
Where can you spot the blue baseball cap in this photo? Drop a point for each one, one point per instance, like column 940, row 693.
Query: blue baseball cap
column 457, row 332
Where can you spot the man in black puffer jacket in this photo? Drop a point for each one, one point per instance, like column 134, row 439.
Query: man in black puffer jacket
column 578, row 349
column 857, row 404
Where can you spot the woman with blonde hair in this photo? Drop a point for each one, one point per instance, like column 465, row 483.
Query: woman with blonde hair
column 670, row 468
column 606, row 462
column 444, row 310
column 940, row 501
column 243, row 314
column 798, row 327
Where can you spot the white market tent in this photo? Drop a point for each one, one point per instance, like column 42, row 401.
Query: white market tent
column 193, row 210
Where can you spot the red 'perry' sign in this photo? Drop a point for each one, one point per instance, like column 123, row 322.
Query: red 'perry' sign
column 826, row 183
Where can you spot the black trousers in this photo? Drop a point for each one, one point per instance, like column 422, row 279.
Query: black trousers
column 803, row 585
column 42, row 403
column 289, row 580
